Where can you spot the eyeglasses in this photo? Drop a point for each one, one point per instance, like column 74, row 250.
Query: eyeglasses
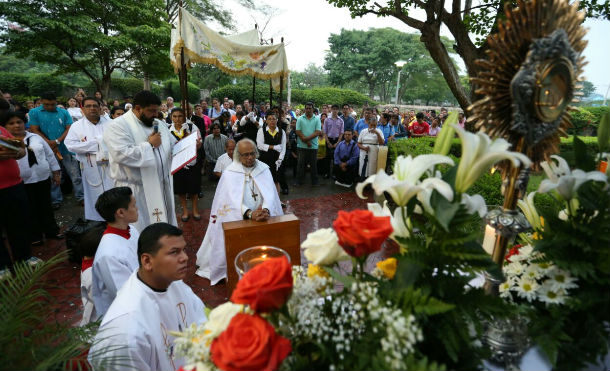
column 248, row 154
column 91, row 106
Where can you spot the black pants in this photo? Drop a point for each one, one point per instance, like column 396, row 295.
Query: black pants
column 330, row 155
column 41, row 212
column 345, row 177
column 15, row 220
column 307, row 156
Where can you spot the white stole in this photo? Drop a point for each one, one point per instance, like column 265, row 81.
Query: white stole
column 155, row 200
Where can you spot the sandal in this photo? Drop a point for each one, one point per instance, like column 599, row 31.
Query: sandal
column 197, row 217
column 185, row 218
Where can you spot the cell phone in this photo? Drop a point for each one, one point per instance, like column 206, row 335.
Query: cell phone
column 155, row 128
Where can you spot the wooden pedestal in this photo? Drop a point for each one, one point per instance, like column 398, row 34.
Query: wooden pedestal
column 279, row 231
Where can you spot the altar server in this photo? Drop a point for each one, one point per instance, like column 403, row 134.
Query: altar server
column 245, row 191
column 140, row 152
column 116, row 257
column 85, row 140
column 136, row 332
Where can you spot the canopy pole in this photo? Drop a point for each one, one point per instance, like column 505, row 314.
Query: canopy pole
column 182, row 74
column 253, row 91
column 281, row 84
column 271, row 87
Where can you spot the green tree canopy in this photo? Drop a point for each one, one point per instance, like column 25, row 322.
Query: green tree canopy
column 93, row 37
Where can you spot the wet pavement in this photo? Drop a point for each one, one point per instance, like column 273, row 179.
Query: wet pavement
column 316, row 207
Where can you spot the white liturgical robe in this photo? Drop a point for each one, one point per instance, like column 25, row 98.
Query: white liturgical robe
column 115, row 260
column 238, row 190
column 136, row 164
column 85, row 140
column 135, row 333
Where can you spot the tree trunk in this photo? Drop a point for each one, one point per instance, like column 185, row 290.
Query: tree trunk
column 432, row 40
column 104, row 85
column 146, row 80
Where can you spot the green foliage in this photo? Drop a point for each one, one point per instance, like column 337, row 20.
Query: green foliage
column 586, row 119
column 30, row 336
column 566, row 148
column 172, row 88
column 312, row 77
column 43, row 82
column 317, row 95
column 603, row 133
column 15, row 83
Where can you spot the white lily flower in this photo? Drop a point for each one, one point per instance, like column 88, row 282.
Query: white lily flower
column 565, row 181
column 399, row 223
column 474, row 204
column 479, row 154
column 528, row 208
column 404, row 183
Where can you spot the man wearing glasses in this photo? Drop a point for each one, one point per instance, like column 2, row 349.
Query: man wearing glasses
column 85, row 140
column 245, row 191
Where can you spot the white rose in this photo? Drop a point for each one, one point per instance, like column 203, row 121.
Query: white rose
column 322, row 247
column 220, row 318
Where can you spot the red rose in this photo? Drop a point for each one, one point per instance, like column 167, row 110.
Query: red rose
column 266, row 287
column 511, row 252
column 360, row 232
column 249, row 343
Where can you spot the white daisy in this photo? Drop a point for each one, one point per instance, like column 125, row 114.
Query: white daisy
column 505, row 290
column 524, row 252
column 526, row 288
column 561, row 280
column 550, row 296
column 515, row 268
column 533, row 272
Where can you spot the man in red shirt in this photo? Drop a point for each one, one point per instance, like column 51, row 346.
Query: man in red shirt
column 14, row 217
column 419, row 128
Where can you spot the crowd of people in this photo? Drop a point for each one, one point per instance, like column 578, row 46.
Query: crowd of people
column 118, row 161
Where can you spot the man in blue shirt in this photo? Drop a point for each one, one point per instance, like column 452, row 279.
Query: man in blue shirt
column 308, row 128
column 362, row 123
column 52, row 124
column 348, row 120
column 346, row 158
column 386, row 128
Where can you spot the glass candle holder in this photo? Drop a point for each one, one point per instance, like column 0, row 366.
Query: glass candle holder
column 253, row 256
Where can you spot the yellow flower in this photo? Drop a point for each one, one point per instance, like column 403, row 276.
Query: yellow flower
column 388, row 267
column 315, row 270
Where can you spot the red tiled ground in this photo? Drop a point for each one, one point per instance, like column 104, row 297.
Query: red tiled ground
column 314, row 213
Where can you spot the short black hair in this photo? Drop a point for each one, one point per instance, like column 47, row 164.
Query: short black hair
column 386, row 116
column 177, row 109
column 93, row 99
column 91, row 240
column 117, row 108
column 309, row 104
column 420, row 115
column 148, row 242
column 216, row 123
column 146, row 98
column 49, row 95
column 334, row 106
column 346, row 104
column 9, row 115
column 110, row 201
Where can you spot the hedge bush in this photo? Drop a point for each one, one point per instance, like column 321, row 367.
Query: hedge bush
column 172, row 88
column 586, row 118
column 14, row 83
column 44, row 82
column 318, row 96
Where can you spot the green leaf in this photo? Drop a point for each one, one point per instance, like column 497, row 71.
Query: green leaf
column 443, row 209
column 583, row 159
column 603, row 133
column 443, row 142
column 345, row 280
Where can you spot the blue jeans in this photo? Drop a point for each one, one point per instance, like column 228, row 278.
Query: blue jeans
column 71, row 167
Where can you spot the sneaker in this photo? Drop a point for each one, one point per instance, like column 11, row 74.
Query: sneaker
column 33, row 261
column 4, row 274
column 342, row 184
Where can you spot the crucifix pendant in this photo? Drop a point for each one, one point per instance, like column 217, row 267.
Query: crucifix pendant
column 156, row 213
column 254, row 195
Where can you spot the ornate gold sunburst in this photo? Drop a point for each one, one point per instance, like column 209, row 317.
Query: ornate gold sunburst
column 529, row 76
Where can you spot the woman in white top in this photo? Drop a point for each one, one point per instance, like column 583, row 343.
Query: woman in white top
column 434, row 129
column 35, row 170
column 74, row 110
column 369, row 141
column 271, row 142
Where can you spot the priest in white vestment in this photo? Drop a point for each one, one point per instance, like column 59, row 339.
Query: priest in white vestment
column 140, row 150
column 245, row 191
column 85, row 139
column 135, row 333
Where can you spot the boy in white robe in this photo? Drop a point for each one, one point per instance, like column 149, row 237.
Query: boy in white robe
column 135, row 333
column 116, row 257
column 88, row 247
column 140, row 153
column 245, row 191
column 85, row 140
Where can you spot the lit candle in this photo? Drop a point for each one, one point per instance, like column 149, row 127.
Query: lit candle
column 490, row 239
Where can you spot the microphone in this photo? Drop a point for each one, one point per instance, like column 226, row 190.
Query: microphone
column 155, row 128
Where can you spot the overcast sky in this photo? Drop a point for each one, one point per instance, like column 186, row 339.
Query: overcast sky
column 306, row 26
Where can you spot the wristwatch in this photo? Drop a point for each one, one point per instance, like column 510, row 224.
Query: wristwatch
column 57, row 141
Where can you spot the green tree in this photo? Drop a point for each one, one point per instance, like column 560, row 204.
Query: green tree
column 469, row 25
column 92, row 37
column 207, row 10
column 368, row 57
column 587, row 89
